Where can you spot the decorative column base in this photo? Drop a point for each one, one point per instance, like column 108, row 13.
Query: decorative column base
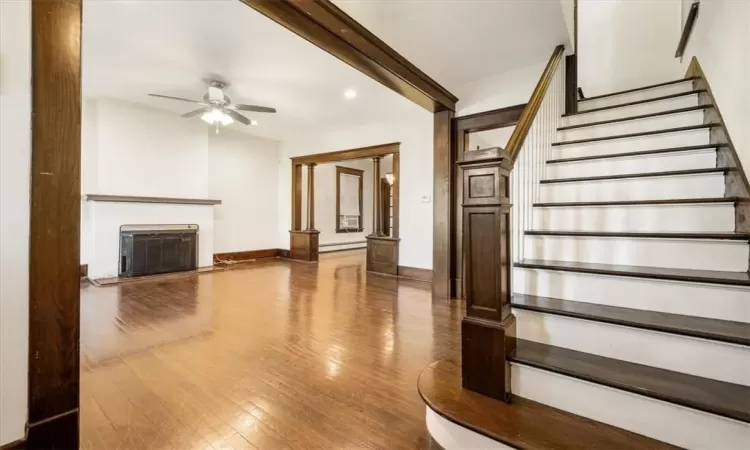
column 382, row 254
column 303, row 245
column 486, row 346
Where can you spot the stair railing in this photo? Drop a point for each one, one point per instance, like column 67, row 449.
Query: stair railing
column 530, row 145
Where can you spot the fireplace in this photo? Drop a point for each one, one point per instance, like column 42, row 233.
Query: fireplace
column 156, row 250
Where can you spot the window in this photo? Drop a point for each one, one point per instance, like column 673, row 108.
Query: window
column 348, row 200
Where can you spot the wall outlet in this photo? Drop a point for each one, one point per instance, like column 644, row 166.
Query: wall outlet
column 426, row 199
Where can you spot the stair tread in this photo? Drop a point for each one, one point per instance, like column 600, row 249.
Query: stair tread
column 733, row 235
column 628, row 91
column 639, row 134
column 638, row 153
column 661, row 273
column 638, row 102
column 718, row 397
column 637, row 117
column 522, row 423
column 701, row 327
column 680, row 201
column 639, row 175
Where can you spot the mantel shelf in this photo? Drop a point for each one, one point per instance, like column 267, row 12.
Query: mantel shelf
column 137, row 199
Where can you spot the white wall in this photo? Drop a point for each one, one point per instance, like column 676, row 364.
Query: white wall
column 415, row 134
column 243, row 173
column 15, row 157
column 501, row 90
column 721, row 42
column 626, row 44
column 325, row 201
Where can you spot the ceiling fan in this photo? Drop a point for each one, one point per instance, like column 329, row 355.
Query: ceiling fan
column 218, row 109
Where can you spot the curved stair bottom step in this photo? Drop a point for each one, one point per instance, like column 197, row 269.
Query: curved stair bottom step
column 664, row 421
column 450, row 436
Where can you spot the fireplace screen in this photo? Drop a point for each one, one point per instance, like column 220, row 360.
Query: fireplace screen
column 153, row 251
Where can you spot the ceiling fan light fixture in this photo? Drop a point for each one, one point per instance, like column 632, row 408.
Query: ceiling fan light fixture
column 216, row 116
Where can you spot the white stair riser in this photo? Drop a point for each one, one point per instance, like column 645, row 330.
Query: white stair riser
column 452, row 436
column 699, row 159
column 699, row 357
column 685, row 101
column 674, row 297
column 726, row 255
column 633, row 126
column 635, row 96
column 649, row 188
column 637, row 144
column 664, row 421
column 657, row 218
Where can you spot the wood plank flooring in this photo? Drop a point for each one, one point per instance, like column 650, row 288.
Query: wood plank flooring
column 270, row 355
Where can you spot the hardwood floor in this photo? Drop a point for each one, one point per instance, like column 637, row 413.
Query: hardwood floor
column 272, row 355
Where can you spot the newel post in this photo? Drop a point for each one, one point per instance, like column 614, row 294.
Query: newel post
column 488, row 329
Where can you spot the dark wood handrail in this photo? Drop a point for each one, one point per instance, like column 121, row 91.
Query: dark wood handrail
column 687, row 30
column 532, row 107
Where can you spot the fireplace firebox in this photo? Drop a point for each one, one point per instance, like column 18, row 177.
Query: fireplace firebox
column 146, row 251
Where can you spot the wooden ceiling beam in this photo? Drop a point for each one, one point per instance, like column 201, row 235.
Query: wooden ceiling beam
column 323, row 24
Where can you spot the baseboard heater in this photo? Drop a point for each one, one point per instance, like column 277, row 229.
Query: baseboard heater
column 157, row 250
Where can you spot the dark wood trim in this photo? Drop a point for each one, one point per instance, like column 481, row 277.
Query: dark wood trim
column 632, row 135
column 638, row 117
column 523, row 424
column 462, row 126
column 628, row 91
column 247, row 255
column 704, row 394
column 113, row 281
column 415, row 273
column 687, row 30
column 679, row 201
column 57, row 432
column 83, row 271
column 19, row 444
column 296, row 197
column 640, row 175
column 443, row 223
column 326, row 26
column 571, row 84
column 284, row 253
column 700, row 327
column 303, row 245
column 655, row 273
column 353, row 153
column 638, row 153
column 357, row 173
column 385, row 206
column 138, row 199
column 396, row 195
column 532, row 107
column 736, row 182
column 637, row 102
column 54, row 277
column 579, row 90
column 310, row 197
column 376, row 220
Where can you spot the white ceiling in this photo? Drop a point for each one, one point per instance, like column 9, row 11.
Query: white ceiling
column 135, row 47
column 459, row 41
column 132, row 48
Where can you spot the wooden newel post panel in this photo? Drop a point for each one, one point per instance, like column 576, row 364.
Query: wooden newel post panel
column 488, row 329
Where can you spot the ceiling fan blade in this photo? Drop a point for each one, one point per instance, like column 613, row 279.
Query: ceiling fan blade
column 237, row 116
column 254, row 108
column 195, row 112
column 175, row 98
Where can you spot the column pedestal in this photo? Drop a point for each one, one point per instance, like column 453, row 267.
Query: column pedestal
column 303, row 245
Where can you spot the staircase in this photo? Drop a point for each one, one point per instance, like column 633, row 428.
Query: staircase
column 632, row 299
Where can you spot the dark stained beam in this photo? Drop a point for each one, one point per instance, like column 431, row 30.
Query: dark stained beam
column 54, row 284
column 325, row 25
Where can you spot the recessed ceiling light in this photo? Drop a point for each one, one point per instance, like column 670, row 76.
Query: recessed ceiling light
column 253, row 122
column 350, row 93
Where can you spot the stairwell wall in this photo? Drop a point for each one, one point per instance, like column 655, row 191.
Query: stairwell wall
column 721, row 42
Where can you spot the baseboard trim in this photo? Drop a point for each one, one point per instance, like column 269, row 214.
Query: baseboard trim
column 56, row 432
column 415, row 273
column 83, row 271
column 20, row 444
column 247, row 255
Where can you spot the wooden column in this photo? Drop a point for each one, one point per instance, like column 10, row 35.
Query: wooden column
column 488, row 329
column 376, row 228
column 303, row 244
column 442, row 224
column 311, row 197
